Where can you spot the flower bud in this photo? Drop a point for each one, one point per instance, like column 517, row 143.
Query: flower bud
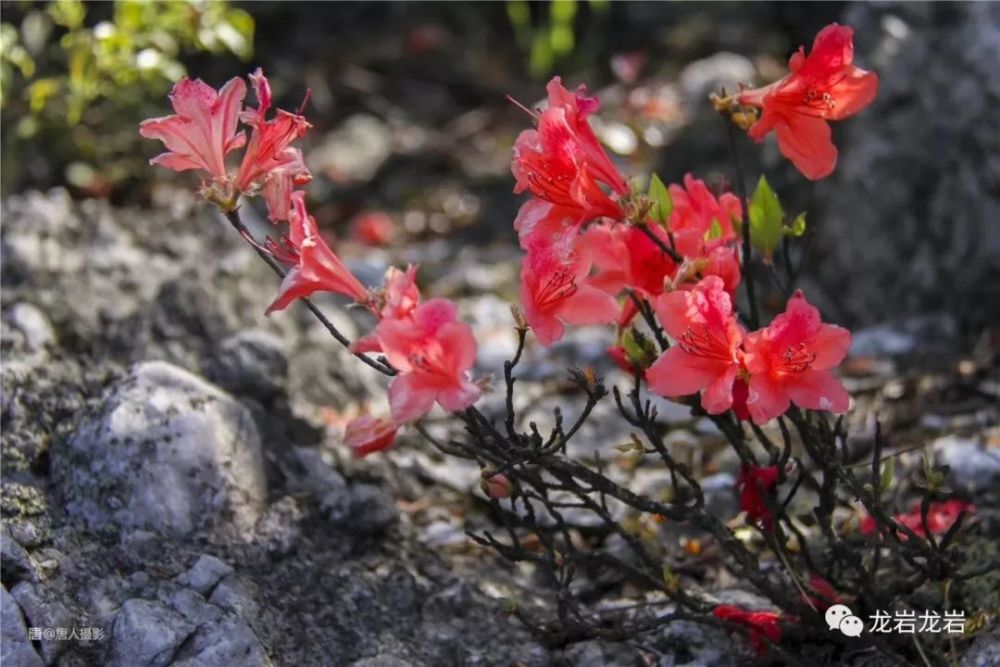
column 495, row 485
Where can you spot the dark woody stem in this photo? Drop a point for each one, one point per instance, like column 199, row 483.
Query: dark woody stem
column 234, row 219
column 667, row 250
column 741, row 190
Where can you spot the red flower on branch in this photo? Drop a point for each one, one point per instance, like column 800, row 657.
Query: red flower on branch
column 203, row 129
column 706, row 356
column 366, row 435
column 316, row 268
column 941, row 516
column 433, row 353
column 563, row 163
column 755, row 484
column 764, row 625
column 269, row 155
column 555, row 290
column 822, row 86
column 695, row 212
column 792, row 360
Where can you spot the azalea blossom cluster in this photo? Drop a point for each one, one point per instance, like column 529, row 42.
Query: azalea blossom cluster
column 595, row 250
column 430, row 350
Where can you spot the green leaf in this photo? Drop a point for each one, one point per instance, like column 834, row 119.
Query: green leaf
column 659, row 195
column 715, row 231
column 887, row 474
column 766, row 219
column 798, row 226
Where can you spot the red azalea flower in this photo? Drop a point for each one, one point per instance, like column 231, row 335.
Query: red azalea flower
column 433, row 353
column 941, row 516
column 706, row 354
column 627, row 259
column 695, row 210
column 268, row 151
column 315, row 266
column 366, row 434
column 203, row 130
column 793, row 360
column 555, row 290
column 763, row 625
column 752, row 500
column 374, row 229
column 825, row 595
column 563, row 163
column 821, row 86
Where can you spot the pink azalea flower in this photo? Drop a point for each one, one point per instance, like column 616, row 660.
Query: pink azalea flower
column 396, row 300
column 316, row 267
column 706, row 355
column 563, row 163
column 366, row 434
column 537, row 217
column 793, row 360
column 695, row 210
column 433, row 353
column 268, row 153
column 555, row 290
column 203, row 129
column 279, row 184
column 822, row 86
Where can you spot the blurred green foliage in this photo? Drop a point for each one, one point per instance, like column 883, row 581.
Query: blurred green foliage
column 554, row 40
column 76, row 78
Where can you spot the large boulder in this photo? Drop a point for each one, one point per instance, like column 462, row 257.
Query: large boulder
column 166, row 452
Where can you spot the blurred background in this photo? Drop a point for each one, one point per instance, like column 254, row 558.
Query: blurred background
column 412, row 124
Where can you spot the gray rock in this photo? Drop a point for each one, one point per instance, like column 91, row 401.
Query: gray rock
column 381, row 661
column 366, row 508
column 146, row 633
column 42, row 612
column 230, row 595
column 205, row 574
column 597, row 653
column 975, row 468
column 222, row 644
column 14, row 559
column 251, row 362
column 984, row 652
column 33, row 325
column 167, row 452
column 15, row 648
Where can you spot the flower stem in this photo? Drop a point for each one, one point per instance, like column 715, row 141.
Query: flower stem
column 741, row 190
column 233, row 217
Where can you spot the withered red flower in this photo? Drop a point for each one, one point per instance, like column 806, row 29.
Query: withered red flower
column 367, row 434
column 941, row 516
column 763, row 625
column 755, row 484
column 822, row 86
